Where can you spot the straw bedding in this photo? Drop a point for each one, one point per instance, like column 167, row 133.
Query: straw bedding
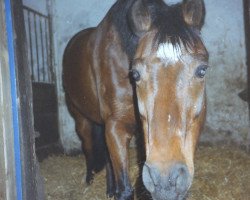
column 221, row 173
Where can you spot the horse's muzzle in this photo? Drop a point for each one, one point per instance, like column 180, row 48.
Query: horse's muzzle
column 167, row 186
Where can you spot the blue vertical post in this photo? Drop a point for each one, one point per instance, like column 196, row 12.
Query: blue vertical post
column 10, row 40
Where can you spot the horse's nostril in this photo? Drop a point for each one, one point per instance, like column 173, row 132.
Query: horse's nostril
column 175, row 180
column 151, row 177
column 179, row 177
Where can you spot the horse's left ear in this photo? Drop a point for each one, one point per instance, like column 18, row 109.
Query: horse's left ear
column 139, row 18
column 194, row 12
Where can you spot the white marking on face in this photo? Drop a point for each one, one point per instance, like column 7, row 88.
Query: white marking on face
column 169, row 118
column 168, row 52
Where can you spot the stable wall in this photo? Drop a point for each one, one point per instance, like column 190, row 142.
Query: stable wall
column 223, row 33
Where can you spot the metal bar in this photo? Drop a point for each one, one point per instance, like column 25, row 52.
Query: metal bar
column 37, row 56
column 42, row 49
column 44, row 74
column 34, row 11
column 47, row 51
column 49, row 43
column 51, row 69
column 49, row 61
column 31, row 47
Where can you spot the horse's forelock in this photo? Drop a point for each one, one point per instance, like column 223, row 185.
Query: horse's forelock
column 168, row 20
column 170, row 25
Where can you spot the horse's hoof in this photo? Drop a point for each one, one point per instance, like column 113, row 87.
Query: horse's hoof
column 125, row 195
column 110, row 191
column 89, row 180
column 90, row 177
column 110, row 194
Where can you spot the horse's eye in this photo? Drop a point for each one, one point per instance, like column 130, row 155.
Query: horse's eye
column 135, row 75
column 201, row 71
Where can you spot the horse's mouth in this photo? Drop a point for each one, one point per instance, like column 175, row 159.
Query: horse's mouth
column 169, row 196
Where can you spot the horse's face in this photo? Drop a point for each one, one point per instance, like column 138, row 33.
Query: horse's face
column 170, row 89
column 168, row 70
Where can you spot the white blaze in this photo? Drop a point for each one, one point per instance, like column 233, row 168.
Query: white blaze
column 168, row 52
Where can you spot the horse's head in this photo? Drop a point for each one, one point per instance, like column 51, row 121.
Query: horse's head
column 168, row 70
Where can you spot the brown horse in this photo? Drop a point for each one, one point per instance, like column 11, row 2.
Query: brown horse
column 148, row 55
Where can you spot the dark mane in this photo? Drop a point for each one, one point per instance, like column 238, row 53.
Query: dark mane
column 119, row 15
column 167, row 20
column 170, row 25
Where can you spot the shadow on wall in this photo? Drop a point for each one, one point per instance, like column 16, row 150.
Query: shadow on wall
column 243, row 95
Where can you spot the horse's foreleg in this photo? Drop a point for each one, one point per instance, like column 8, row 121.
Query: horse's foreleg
column 117, row 140
column 110, row 179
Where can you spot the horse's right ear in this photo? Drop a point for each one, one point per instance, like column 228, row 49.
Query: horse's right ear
column 194, row 12
column 139, row 18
